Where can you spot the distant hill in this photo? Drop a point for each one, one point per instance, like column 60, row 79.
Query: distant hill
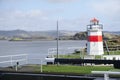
column 35, row 34
column 106, row 35
column 51, row 35
column 113, row 32
column 80, row 36
column 12, row 33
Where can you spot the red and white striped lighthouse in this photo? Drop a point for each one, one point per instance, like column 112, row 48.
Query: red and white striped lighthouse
column 95, row 41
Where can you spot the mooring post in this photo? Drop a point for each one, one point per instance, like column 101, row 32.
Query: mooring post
column 41, row 66
column 26, row 59
column 11, row 61
column 106, row 76
column 16, row 66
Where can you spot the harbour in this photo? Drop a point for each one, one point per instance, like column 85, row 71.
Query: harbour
column 33, row 72
column 59, row 40
column 87, row 55
column 36, row 50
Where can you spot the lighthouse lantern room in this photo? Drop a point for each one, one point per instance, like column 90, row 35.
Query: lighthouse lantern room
column 95, row 41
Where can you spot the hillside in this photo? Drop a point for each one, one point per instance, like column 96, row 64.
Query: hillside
column 51, row 35
column 80, row 36
column 106, row 36
column 35, row 35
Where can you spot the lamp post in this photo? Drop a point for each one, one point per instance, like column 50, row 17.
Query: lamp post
column 57, row 38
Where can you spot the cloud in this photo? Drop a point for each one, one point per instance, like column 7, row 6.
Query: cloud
column 109, row 8
column 108, row 11
column 18, row 15
column 22, row 19
column 61, row 1
column 74, row 16
column 76, row 24
column 37, row 20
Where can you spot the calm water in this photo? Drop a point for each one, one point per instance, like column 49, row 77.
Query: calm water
column 35, row 49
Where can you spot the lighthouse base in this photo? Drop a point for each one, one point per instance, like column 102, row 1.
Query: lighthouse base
column 95, row 48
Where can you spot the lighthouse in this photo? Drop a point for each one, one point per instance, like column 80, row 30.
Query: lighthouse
column 95, row 41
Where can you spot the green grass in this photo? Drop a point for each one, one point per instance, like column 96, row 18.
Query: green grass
column 72, row 69
column 115, row 70
column 78, row 55
column 113, row 53
column 70, row 56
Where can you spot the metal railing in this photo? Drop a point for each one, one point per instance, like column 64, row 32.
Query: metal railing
column 66, row 50
column 13, row 59
column 106, row 73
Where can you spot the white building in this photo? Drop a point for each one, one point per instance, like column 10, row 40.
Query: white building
column 111, row 57
column 95, row 41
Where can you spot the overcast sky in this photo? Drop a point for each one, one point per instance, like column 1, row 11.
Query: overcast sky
column 39, row 15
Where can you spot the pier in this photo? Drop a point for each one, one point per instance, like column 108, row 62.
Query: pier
column 91, row 61
column 41, row 76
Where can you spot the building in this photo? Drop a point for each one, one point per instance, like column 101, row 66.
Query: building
column 95, row 41
column 111, row 57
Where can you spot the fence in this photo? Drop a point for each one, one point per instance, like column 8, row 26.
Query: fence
column 106, row 73
column 65, row 50
column 11, row 60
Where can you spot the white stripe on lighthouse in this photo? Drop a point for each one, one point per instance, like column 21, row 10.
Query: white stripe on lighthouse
column 94, row 33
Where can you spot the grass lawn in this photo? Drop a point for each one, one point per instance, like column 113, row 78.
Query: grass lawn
column 78, row 55
column 70, row 56
column 72, row 69
column 113, row 53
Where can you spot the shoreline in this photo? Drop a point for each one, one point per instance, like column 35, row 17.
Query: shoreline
column 22, row 75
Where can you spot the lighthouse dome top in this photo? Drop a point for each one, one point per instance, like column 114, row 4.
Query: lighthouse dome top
column 94, row 21
column 94, row 25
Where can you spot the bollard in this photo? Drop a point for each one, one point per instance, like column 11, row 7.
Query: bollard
column 106, row 76
column 41, row 67
column 16, row 66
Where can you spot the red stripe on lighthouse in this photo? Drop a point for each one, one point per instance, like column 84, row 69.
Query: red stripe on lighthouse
column 95, row 38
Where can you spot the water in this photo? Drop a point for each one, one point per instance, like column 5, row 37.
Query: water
column 35, row 49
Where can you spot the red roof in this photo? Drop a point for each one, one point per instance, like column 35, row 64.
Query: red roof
column 94, row 20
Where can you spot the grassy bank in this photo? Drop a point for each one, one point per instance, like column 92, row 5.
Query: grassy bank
column 70, row 56
column 72, row 69
column 54, row 69
column 80, row 55
column 63, row 69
